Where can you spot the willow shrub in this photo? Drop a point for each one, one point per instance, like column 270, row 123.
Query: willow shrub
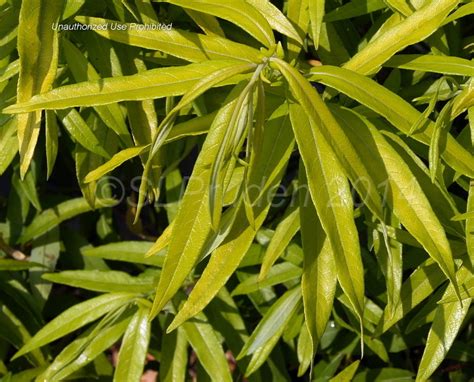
column 295, row 195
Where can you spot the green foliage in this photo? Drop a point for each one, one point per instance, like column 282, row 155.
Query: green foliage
column 236, row 190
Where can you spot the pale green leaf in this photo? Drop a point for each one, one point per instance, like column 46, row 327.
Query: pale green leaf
column 74, row 318
column 134, row 348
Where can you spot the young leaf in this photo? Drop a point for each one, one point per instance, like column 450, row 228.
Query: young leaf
column 446, row 325
column 316, row 14
column 38, row 61
column 276, row 147
column 416, row 27
column 134, row 348
column 238, row 12
column 284, row 232
column 74, row 318
column 165, row 82
column 318, row 284
column 189, row 46
column 397, row 111
column 431, row 63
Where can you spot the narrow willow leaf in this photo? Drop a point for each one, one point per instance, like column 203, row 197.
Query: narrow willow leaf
column 74, row 318
column 316, row 14
column 432, row 63
column 52, row 132
column 38, row 62
column 304, row 350
column 470, row 221
column 464, row 10
column 286, row 229
column 332, row 198
column 270, row 328
column 354, row 9
column 318, row 284
column 81, row 132
column 278, row 274
column 189, row 46
column 10, row 70
column 27, row 186
column 415, row 28
column 396, row 110
column 102, row 281
column 298, row 14
column 8, row 144
column 464, row 100
column 193, row 127
column 347, row 374
column 13, row 331
column 442, row 124
column 324, row 122
column 173, row 362
column 52, row 217
column 238, row 12
column 232, row 69
column 82, row 71
column 162, row 242
column 114, row 162
column 270, row 163
column 208, row 23
column 276, row 19
column 401, row 6
column 205, row 343
column 420, row 285
column 447, row 322
column 153, row 83
column 16, row 265
column 192, row 223
column 404, row 194
column 83, row 350
column 128, row 251
column 134, row 348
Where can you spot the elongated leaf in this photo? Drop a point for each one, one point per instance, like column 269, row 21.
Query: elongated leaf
column 347, row 374
column 81, row 132
column 396, row 110
column 192, row 223
column 420, row 285
column 54, row 216
column 285, row 231
column 52, row 132
column 326, row 125
column 189, row 46
column 102, row 281
column 278, row 274
column 270, row 328
column 134, row 348
column 38, row 62
column 209, row 351
column 354, row 9
column 318, row 284
column 173, row 362
column 154, row 83
column 114, row 162
column 447, row 322
column 276, row 19
column 74, row 318
column 83, row 350
column 128, row 251
column 270, row 163
column 404, row 194
column 298, row 15
column 331, row 196
column 431, row 63
column 16, row 265
column 8, row 144
column 316, row 14
column 416, row 27
column 238, row 12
